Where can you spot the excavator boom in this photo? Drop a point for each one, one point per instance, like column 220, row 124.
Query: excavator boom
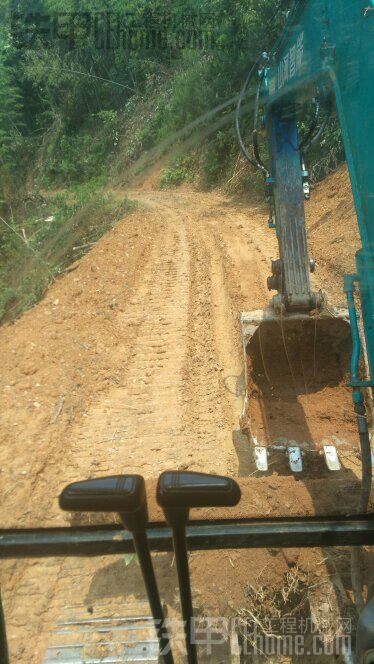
column 326, row 49
column 325, row 55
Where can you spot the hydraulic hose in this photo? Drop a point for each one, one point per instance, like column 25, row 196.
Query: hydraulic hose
column 256, row 149
column 304, row 144
column 367, row 471
column 363, row 430
column 311, row 140
column 4, row 654
column 242, row 94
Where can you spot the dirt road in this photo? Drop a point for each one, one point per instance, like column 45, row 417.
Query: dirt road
column 132, row 363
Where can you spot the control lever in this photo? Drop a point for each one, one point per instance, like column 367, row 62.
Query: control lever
column 177, row 492
column 126, row 495
column 4, row 654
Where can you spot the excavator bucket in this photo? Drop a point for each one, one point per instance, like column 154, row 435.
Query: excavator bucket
column 297, row 404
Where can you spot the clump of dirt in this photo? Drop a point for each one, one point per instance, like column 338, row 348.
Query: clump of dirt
column 297, row 376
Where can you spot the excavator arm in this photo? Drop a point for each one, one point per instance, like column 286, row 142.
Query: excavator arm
column 325, row 49
column 324, row 56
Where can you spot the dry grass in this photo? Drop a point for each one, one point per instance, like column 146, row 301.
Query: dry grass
column 266, row 606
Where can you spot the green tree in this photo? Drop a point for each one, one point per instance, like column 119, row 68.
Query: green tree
column 10, row 109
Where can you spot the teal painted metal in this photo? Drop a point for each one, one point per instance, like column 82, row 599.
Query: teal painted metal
column 328, row 45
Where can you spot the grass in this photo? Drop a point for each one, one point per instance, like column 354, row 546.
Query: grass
column 272, row 618
column 61, row 228
column 266, row 607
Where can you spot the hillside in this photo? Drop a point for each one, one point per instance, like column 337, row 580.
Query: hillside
column 333, row 232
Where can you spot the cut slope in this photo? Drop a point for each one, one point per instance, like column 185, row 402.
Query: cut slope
column 333, row 232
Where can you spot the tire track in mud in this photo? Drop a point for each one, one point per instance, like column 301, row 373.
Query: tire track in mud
column 173, row 385
column 228, row 343
column 206, row 413
column 140, row 421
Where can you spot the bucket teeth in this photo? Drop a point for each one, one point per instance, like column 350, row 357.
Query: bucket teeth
column 268, row 339
column 295, row 459
column 261, row 458
column 331, row 457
